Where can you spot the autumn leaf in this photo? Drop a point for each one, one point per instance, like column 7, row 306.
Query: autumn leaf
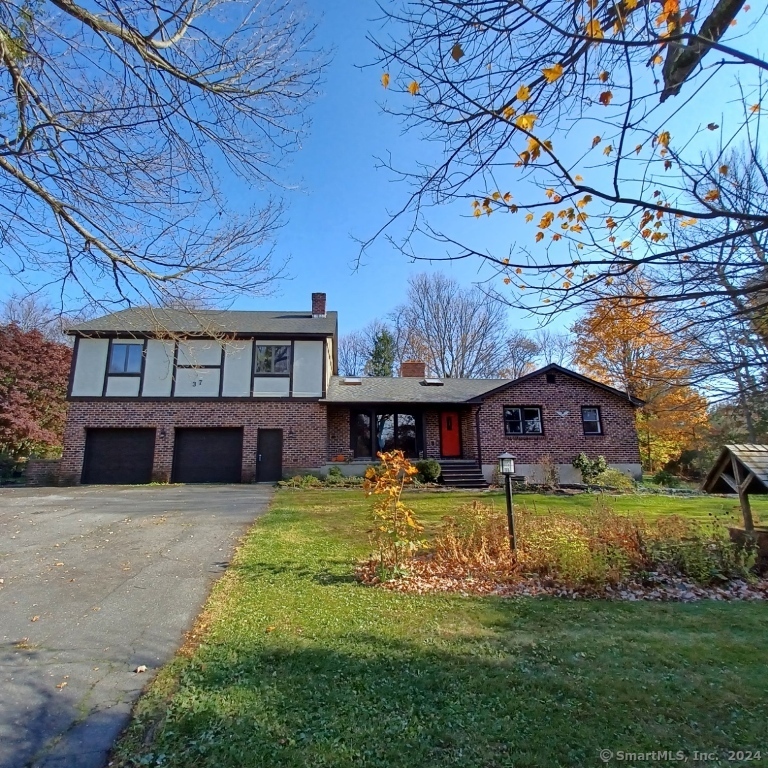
column 712, row 126
column 526, row 122
column 657, row 59
column 457, row 52
column 638, row 148
column 529, row 217
column 713, row 194
column 539, row 236
column 603, row 77
column 630, row 5
column 496, row 195
column 385, row 79
column 667, row 165
column 608, row 150
column 577, row 177
column 550, row 193
column 596, row 141
column 413, row 88
column 507, row 281
column 518, row 271
column 507, row 197
column 546, row 220
column 477, row 213
column 605, row 98
column 723, row 169
column 523, row 93
column 552, row 73
column 509, row 113
column 754, row 108
column 594, row 30
column 664, row 138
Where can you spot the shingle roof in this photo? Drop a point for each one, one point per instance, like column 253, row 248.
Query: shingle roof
column 208, row 321
column 752, row 457
column 407, row 390
column 552, row 367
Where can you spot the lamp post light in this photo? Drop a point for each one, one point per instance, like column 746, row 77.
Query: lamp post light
column 507, row 468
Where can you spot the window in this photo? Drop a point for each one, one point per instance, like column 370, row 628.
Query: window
column 273, row 359
column 361, row 434
column 590, row 419
column 374, row 431
column 522, row 420
column 126, row 358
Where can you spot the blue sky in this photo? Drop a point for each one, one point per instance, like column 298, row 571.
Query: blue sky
column 342, row 195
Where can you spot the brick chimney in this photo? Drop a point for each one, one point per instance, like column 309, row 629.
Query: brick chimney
column 318, row 305
column 413, row 369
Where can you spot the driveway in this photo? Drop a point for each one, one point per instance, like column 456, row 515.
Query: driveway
column 97, row 581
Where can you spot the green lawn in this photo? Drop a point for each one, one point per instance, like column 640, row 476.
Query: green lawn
column 300, row 666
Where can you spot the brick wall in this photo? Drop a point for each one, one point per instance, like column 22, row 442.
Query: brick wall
column 563, row 436
column 303, row 423
column 338, row 433
column 42, row 471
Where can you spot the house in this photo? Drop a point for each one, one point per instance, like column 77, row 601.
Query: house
column 230, row 396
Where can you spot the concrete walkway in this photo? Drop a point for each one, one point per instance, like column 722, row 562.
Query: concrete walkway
column 97, row 581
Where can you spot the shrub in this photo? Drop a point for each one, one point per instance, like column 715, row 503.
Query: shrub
column 335, row 472
column 429, row 470
column 550, row 472
column 395, row 527
column 614, row 478
column 594, row 547
column 590, row 468
column 667, row 479
column 477, row 536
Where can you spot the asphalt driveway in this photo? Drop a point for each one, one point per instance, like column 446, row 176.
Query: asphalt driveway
column 97, row 581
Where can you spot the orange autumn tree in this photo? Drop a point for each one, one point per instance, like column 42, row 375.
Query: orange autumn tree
column 622, row 342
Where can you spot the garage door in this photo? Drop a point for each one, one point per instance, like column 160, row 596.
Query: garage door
column 118, row 456
column 208, row 456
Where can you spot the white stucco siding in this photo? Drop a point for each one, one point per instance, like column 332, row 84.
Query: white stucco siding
column 90, row 365
column 328, row 361
column 238, row 358
column 123, row 386
column 197, row 382
column 158, row 369
column 199, row 352
column 271, row 386
column 308, row 369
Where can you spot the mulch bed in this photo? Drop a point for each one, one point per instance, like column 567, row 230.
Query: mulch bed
column 426, row 576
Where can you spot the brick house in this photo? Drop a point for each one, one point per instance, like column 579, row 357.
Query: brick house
column 230, row 396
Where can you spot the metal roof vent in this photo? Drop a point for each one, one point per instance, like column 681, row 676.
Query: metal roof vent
column 351, row 380
column 432, row 383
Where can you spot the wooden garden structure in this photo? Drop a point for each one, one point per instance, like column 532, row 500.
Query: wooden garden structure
column 741, row 469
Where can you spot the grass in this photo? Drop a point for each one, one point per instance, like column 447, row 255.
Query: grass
column 301, row 666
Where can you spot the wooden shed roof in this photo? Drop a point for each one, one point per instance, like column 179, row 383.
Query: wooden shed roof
column 753, row 465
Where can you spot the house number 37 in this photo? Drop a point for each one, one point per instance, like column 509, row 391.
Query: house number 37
column 197, row 383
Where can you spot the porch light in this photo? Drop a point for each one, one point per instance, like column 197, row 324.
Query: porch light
column 506, row 464
column 507, row 468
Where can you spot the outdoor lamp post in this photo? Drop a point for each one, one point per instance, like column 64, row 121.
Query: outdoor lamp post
column 507, row 468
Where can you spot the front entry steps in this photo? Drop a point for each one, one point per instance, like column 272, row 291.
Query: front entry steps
column 462, row 474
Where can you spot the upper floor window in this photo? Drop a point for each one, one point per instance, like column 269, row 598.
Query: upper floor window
column 590, row 419
column 273, row 359
column 522, row 420
column 126, row 358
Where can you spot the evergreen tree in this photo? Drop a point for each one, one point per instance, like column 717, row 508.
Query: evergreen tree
column 382, row 358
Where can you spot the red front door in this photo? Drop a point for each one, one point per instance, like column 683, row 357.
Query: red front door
column 450, row 437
